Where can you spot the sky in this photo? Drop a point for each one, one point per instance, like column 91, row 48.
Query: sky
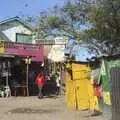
column 22, row 8
column 80, row 52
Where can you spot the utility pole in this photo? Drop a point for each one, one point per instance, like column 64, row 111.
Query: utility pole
column 27, row 61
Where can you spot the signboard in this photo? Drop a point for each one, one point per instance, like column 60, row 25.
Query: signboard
column 24, row 50
column 1, row 47
column 60, row 40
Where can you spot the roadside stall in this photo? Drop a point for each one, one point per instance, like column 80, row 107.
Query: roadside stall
column 19, row 77
column 79, row 90
column 5, row 74
column 57, row 57
column 110, row 78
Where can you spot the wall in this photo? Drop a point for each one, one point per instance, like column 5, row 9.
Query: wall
column 47, row 49
column 79, row 91
column 11, row 28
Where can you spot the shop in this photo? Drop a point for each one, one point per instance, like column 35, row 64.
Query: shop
column 19, row 65
column 109, row 78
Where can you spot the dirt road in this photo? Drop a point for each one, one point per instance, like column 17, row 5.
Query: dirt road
column 32, row 108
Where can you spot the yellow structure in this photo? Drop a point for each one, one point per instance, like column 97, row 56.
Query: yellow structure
column 79, row 91
column 106, row 97
column 1, row 47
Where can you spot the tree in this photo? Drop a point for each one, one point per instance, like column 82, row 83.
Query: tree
column 102, row 18
column 104, row 35
column 65, row 20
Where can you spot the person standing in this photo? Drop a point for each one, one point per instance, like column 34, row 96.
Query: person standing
column 40, row 83
column 97, row 92
column 58, row 83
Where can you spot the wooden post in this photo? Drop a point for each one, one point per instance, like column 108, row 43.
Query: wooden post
column 27, row 79
column 27, row 61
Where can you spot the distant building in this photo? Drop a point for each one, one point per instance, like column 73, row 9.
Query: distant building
column 16, row 47
column 16, row 30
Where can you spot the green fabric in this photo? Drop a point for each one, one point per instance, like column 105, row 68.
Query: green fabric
column 105, row 74
column 106, row 83
column 105, row 77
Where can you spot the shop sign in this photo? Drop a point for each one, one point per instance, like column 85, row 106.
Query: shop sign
column 20, row 49
column 106, row 98
column 1, row 47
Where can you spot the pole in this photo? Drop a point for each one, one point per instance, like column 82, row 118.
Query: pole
column 7, row 76
column 61, row 80
column 27, row 79
column 7, row 79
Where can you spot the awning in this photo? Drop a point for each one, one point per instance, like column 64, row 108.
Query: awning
column 7, row 55
column 57, row 53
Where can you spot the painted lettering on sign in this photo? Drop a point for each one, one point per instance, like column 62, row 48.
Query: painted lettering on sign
column 35, row 51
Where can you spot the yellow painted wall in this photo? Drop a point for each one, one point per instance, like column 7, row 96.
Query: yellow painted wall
column 79, row 91
column 70, row 98
column 1, row 47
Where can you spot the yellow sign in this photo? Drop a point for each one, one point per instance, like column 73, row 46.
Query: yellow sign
column 28, row 60
column 1, row 47
column 106, row 97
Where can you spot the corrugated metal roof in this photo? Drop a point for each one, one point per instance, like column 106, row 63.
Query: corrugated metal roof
column 17, row 19
column 7, row 55
column 3, row 36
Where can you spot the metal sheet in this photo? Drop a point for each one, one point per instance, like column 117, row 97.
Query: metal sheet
column 115, row 97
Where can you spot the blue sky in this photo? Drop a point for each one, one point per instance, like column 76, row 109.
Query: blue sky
column 79, row 51
column 22, row 8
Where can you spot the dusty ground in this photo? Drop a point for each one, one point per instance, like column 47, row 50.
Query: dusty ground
column 31, row 108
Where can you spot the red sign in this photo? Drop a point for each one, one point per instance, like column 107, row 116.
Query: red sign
column 20, row 49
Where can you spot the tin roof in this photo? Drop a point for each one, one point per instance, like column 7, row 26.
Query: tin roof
column 6, row 55
column 17, row 19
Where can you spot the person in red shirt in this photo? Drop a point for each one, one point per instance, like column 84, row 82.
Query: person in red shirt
column 98, row 93
column 40, row 83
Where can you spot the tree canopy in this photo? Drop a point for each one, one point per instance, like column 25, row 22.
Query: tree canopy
column 66, row 19
column 96, row 22
column 104, row 34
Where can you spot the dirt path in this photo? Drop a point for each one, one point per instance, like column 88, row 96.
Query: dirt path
column 31, row 108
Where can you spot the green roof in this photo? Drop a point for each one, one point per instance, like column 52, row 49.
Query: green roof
column 6, row 55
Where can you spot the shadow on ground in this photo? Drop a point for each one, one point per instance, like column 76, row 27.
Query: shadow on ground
column 52, row 96
column 35, row 111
